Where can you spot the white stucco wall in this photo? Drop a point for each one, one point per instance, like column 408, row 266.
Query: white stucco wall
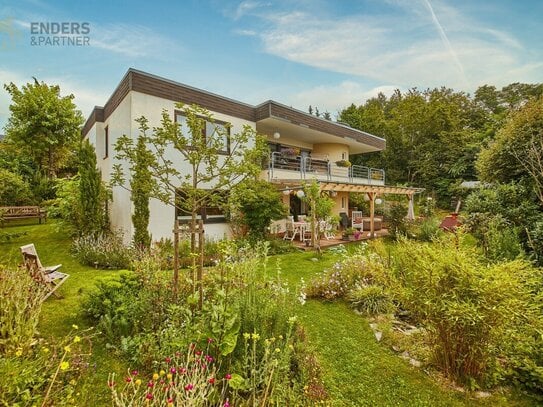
column 162, row 216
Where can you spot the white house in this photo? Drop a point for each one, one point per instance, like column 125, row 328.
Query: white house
column 302, row 147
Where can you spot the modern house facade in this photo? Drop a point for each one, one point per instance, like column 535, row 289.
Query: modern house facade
column 302, row 147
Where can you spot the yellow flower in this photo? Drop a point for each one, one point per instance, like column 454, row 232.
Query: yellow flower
column 155, row 376
column 246, row 335
column 162, row 372
column 77, row 339
column 74, row 326
column 19, row 353
column 73, row 382
column 67, row 349
column 277, row 350
column 280, row 336
column 45, row 350
column 138, row 382
column 169, row 376
column 64, row 365
column 255, row 336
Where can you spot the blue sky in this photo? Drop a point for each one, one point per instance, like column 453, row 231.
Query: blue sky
column 327, row 53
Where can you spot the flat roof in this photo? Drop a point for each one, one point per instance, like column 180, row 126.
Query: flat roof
column 143, row 82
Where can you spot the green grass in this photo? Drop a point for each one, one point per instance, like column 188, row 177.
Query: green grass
column 357, row 370
column 59, row 314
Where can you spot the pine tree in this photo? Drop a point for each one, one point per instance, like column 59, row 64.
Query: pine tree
column 91, row 192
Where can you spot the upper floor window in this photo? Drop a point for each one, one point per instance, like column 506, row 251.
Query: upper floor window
column 106, row 142
column 217, row 131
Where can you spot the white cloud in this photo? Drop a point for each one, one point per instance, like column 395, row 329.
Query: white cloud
column 246, row 7
column 334, row 98
column 412, row 47
column 132, row 41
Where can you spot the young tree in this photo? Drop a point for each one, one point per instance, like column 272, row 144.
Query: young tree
column 43, row 124
column 320, row 207
column 141, row 183
column 199, row 142
column 91, row 192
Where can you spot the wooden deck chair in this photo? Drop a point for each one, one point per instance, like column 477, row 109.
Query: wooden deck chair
column 48, row 276
column 357, row 221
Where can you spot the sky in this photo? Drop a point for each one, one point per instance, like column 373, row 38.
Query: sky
column 324, row 53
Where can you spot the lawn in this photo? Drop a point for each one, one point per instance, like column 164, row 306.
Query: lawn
column 358, row 371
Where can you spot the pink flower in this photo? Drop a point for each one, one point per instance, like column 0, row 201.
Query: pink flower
column 149, row 396
column 134, row 372
column 150, row 384
column 182, row 370
column 228, row 376
column 189, row 387
column 209, row 359
column 172, row 370
column 128, row 379
column 226, row 404
column 198, row 352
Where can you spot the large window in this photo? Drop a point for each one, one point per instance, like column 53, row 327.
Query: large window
column 210, row 212
column 212, row 131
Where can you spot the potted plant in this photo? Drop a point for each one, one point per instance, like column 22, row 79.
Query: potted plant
column 348, row 234
column 343, row 163
column 290, row 152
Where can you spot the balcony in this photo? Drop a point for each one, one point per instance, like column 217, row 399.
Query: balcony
column 288, row 167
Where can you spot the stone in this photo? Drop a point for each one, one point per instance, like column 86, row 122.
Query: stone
column 378, row 336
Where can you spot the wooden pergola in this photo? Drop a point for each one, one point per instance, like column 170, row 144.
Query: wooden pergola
column 371, row 190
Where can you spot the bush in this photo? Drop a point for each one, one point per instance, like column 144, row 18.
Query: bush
column 14, row 191
column 470, row 310
column 357, row 270
column 502, row 240
column 370, row 300
column 428, row 230
column 397, row 224
column 103, row 251
column 20, row 306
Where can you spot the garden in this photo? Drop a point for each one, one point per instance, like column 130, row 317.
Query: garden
column 423, row 317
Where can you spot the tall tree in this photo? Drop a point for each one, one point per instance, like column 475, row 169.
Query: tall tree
column 43, row 124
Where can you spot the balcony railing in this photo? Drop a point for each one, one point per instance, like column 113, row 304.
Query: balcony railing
column 283, row 166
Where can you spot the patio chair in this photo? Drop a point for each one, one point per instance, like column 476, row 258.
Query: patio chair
column 357, row 221
column 49, row 277
column 291, row 231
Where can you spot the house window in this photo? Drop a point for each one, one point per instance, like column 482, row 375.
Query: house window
column 213, row 131
column 106, row 142
column 343, row 156
column 342, row 202
column 210, row 212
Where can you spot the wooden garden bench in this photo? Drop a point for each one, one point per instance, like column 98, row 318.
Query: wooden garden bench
column 22, row 212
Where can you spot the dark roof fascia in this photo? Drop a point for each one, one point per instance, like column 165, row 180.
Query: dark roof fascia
column 277, row 110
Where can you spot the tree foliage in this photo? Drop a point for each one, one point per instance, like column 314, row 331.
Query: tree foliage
column 255, row 204
column 92, row 193
column 43, row 124
column 516, row 154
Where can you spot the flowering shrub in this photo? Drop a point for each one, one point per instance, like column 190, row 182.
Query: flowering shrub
column 104, row 251
column 359, row 269
column 45, row 373
column 20, row 306
column 185, row 379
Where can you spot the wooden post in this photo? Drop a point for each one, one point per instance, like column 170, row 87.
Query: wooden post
column 372, row 214
column 175, row 258
column 201, row 264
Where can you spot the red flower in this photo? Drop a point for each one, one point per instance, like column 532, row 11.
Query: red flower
column 149, row 396
column 150, row 384
column 170, row 400
column 211, row 380
column 134, row 372
column 228, row 376
column 172, row 370
column 198, row 352
column 183, row 370
column 168, row 360
column 189, row 387
column 128, row 379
